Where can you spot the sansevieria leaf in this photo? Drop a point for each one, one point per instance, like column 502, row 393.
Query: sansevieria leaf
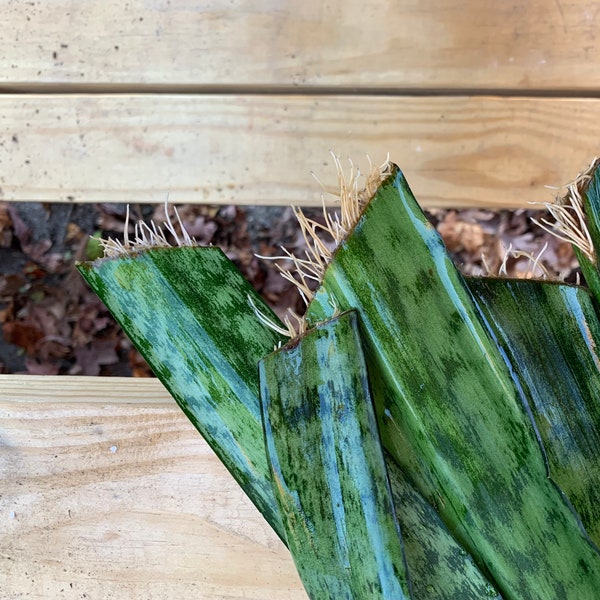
column 447, row 407
column 483, row 457
column 551, row 336
column 328, row 467
column 186, row 309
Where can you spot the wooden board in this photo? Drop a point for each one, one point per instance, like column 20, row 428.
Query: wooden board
column 108, row 492
column 463, row 151
column 388, row 45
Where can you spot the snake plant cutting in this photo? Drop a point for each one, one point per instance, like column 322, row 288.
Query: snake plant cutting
column 422, row 435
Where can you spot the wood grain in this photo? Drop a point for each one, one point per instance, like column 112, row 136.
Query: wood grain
column 495, row 152
column 411, row 44
column 109, row 492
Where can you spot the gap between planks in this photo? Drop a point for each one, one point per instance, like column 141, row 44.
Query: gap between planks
column 176, row 89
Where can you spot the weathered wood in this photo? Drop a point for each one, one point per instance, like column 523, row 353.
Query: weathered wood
column 414, row 44
column 463, row 151
column 108, row 492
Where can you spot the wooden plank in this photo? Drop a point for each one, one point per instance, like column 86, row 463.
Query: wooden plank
column 464, row 151
column 108, row 492
column 413, row 44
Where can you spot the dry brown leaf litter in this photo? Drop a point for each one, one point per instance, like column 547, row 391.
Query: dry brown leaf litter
column 51, row 323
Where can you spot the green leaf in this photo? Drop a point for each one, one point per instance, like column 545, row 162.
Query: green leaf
column 328, row 467
column 447, row 407
column 93, row 248
column 187, row 311
column 551, row 335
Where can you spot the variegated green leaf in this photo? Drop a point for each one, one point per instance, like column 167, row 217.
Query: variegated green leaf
column 551, row 337
column 328, row 468
column 187, row 311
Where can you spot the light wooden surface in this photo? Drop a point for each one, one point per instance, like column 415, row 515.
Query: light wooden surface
column 411, row 44
column 107, row 490
column 406, row 77
column 460, row 151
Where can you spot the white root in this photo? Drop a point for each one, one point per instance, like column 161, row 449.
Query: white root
column 290, row 329
column 147, row 236
column 570, row 223
column 322, row 239
column 535, row 269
